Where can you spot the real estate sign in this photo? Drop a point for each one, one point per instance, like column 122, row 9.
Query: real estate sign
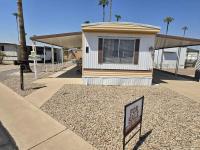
column 133, row 117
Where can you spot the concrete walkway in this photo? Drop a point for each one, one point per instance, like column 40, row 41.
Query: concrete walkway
column 186, row 87
column 52, row 85
column 31, row 128
column 190, row 89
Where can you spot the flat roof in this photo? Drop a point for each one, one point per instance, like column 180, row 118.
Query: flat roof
column 169, row 41
column 65, row 40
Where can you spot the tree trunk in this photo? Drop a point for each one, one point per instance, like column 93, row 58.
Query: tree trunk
column 22, row 53
column 110, row 19
column 167, row 28
column 103, row 13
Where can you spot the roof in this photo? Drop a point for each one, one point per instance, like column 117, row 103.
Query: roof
column 74, row 39
column 120, row 27
column 169, row 41
column 8, row 44
column 65, row 40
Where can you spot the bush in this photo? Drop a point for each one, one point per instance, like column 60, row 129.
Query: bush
column 2, row 55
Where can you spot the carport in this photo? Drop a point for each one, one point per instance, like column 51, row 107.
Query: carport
column 74, row 40
column 168, row 41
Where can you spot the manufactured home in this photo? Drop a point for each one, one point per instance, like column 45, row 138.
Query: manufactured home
column 11, row 51
column 116, row 53
column 188, row 57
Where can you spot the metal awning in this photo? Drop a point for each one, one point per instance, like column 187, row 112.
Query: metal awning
column 74, row 40
column 169, row 41
column 65, row 40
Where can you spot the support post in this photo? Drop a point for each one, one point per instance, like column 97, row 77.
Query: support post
column 162, row 57
column 62, row 53
column 45, row 58
column 177, row 61
column 34, row 49
column 52, row 57
column 44, row 53
column 197, row 69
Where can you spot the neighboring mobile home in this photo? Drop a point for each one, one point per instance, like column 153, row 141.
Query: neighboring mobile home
column 188, row 57
column 118, row 53
column 11, row 50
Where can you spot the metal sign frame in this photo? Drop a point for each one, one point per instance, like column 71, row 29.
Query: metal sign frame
column 125, row 132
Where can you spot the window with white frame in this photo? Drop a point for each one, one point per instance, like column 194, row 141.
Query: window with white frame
column 118, row 51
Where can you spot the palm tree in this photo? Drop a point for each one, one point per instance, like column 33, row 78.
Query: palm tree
column 86, row 22
column 166, row 20
column 23, row 53
column 118, row 17
column 110, row 19
column 103, row 3
column 185, row 28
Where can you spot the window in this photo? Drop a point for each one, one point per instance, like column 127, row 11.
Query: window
column 121, row 51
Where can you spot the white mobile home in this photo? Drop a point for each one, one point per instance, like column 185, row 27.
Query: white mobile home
column 118, row 53
column 188, row 57
column 11, row 52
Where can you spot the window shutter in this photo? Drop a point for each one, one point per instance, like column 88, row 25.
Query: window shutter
column 136, row 54
column 100, row 51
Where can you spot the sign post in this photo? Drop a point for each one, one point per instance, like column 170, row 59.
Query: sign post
column 132, row 118
column 22, row 76
column 34, row 56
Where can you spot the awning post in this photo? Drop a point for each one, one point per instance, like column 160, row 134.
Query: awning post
column 45, row 59
column 177, row 61
column 34, row 59
column 197, row 69
column 52, row 57
column 62, row 56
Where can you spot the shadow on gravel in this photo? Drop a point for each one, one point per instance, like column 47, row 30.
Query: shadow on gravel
column 142, row 139
column 73, row 73
column 6, row 140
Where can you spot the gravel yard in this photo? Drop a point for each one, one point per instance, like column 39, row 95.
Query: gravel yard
column 95, row 113
column 11, row 78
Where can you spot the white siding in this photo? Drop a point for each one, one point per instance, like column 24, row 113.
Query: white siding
column 10, row 50
column 170, row 63
column 118, row 81
column 90, row 60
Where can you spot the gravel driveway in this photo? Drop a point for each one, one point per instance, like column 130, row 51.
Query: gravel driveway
column 170, row 121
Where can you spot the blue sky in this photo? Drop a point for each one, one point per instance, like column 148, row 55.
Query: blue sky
column 59, row 16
